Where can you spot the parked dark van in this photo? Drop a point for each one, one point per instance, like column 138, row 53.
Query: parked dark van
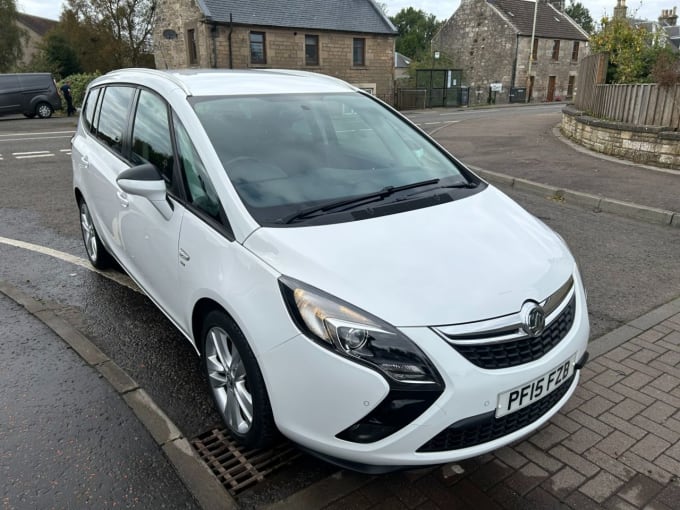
column 29, row 93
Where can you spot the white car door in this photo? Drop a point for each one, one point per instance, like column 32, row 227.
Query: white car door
column 150, row 235
column 98, row 149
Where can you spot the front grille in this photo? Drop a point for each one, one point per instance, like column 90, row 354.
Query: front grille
column 486, row 427
column 518, row 352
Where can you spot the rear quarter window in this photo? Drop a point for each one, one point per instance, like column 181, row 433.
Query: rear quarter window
column 88, row 111
column 114, row 115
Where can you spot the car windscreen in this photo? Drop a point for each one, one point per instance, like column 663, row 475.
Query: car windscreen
column 292, row 153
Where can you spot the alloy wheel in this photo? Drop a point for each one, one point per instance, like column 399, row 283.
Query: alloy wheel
column 228, row 380
column 89, row 232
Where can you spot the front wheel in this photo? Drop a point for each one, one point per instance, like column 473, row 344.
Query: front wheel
column 43, row 110
column 99, row 257
column 236, row 382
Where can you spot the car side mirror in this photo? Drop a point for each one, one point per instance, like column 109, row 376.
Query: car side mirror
column 146, row 181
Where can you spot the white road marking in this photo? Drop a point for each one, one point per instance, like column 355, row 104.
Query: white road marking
column 27, row 153
column 115, row 276
column 26, row 139
column 40, row 133
column 64, row 150
column 35, row 156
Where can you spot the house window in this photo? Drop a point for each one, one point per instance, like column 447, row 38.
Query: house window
column 570, row 86
column 191, row 42
column 574, row 52
column 359, row 52
column 556, row 50
column 534, row 50
column 258, row 54
column 312, row 50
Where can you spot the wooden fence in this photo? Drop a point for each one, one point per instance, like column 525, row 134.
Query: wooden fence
column 645, row 104
column 641, row 104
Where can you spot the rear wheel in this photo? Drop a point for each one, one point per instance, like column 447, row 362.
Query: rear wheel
column 98, row 255
column 236, row 382
column 43, row 110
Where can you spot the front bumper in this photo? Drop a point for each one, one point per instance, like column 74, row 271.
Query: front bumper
column 316, row 395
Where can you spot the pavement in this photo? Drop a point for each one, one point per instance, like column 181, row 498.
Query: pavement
column 616, row 444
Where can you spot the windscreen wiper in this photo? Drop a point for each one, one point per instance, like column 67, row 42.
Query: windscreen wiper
column 350, row 203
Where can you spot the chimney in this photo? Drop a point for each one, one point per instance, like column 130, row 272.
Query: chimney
column 621, row 11
column 669, row 17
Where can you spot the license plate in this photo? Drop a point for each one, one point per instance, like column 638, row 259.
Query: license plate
column 525, row 395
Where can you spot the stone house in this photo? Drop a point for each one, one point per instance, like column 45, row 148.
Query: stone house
column 35, row 29
column 350, row 39
column 491, row 41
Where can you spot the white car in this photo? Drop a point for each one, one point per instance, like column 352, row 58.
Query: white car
column 345, row 280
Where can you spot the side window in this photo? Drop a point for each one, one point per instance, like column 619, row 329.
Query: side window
column 200, row 191
column 114, row 115
column 88, row 112
column 151, row 141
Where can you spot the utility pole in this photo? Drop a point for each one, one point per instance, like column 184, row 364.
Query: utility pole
column 531, row 52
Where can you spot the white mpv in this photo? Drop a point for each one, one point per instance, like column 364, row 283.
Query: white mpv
column 346, row 281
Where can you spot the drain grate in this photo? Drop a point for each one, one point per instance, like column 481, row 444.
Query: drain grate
column 238, row 468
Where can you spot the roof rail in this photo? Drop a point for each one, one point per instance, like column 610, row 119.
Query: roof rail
column 155, row 72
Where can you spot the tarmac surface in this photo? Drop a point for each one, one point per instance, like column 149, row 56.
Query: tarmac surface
column 615, row 445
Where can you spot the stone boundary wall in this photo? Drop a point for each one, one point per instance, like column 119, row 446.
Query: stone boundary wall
column 653, row 145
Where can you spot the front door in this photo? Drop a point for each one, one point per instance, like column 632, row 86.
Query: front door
column 151, row 238
column 551, row 89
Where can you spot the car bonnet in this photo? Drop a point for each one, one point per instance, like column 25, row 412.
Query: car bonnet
column 471, row 259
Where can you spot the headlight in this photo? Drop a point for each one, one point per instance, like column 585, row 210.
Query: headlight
column 357, row 335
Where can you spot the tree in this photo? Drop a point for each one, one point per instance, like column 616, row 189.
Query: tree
column 119, row 30
column 581, row 15
column 60, row 56
column 632, row 50
column 416, row 29
column 11, row 36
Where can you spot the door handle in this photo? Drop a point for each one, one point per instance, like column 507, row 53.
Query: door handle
column 84, row 162
column 122, row 196
column 184, row 255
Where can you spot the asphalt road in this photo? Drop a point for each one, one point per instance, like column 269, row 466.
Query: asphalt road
column 629, row 267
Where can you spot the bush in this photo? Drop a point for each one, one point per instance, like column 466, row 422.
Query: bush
column 79, row 83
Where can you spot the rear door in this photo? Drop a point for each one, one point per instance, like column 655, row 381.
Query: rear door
column 100, row 160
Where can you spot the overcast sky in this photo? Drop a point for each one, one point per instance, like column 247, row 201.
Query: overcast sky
column 442, row 9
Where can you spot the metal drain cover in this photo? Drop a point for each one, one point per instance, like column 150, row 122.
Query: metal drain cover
column 238, row 468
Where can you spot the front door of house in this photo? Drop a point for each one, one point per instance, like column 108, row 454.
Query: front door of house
column 551, row 89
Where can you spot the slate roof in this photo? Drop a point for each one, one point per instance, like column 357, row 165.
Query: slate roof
column 362, row 16
column 37, row 24
column 401, row 61
column 550, row 23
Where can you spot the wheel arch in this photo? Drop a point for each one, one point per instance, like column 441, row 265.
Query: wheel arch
column 202, row 308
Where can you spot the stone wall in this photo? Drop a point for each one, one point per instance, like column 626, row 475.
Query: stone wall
column 642, row 144
column 481, row 42
column 285, row 48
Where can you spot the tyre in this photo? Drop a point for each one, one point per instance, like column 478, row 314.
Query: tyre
column 236, row 382
column 43, row 110
column 98, row 255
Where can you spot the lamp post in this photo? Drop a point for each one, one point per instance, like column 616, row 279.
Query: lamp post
column 531, row 52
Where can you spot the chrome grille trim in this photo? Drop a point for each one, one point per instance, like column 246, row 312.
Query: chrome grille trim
column 507, row 328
